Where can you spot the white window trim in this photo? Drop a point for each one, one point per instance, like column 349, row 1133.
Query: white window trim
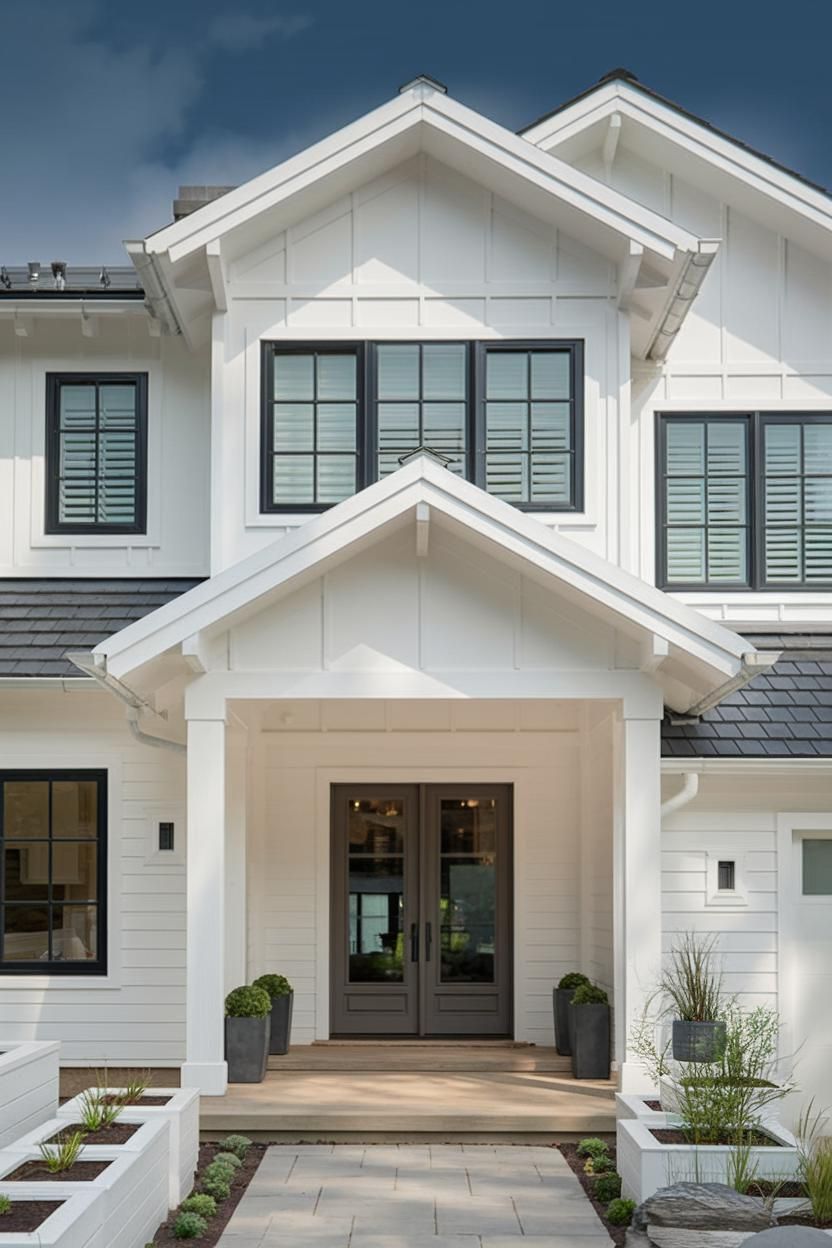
column 718, row 898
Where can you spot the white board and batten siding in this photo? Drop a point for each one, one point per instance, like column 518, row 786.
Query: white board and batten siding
column 135, row 1014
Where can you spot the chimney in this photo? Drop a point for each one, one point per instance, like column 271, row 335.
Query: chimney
column 192, row 197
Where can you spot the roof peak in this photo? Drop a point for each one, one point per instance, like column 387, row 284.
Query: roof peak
column 423, row 80
column 626, row 74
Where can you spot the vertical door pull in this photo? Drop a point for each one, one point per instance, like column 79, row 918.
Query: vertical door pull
column 414, row 942
column 428, row 941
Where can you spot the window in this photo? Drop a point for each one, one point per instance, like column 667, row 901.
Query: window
column 817, row 867
column 744, row 501
column 726, row 875
column 96, row 453
column 53, row 872
column 505, row 415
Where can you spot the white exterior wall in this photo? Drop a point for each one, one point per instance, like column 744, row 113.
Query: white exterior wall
column 176, row 542
column 135, row 1015
column 420, row 253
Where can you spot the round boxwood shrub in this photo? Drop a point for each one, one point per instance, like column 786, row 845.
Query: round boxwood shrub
column 573, row 980
column 248, row 1002
column 216, row 1185
column 219, row 1170
column 201, row 1203
column 620, row 1212
column 589, row 994
column 607, row 1188
column 591, row 1146
column 189, row 1226
column 275, row 985
column 237, row 1144
column 228, row 1159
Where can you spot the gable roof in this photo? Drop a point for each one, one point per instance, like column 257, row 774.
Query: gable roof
column 699, row 657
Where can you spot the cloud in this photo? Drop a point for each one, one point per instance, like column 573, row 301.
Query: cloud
column 238, row 32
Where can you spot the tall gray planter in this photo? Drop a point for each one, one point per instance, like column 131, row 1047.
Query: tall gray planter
column 247, row 1048
column 281, row 1017
column 698, row 1042
column 561, row 998
column 590, row 1034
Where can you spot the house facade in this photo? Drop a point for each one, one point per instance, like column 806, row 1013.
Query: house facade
column 415, row 578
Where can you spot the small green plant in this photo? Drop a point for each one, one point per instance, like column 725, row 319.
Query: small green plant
column 217, row 1186
column 591, row 1146
column 589, row 994
column 61, row 1156
column 692, row 983
column 220, row 1170
column 573, row 979
column 5, row 1205
column 607, row 1188
column 97, row 1110
column 237, row 1144
column 599, row 1165
column 620, row 1212
column 201, row 1203
column 135, row 1088
column 275, row 985
column 248, row 1002
column 189, row 1226
column 229, row 1159
column 814, row 1152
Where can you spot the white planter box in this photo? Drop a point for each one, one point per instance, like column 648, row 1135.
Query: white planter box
column 628, row 1105
column 28, row 1086
column 645, row 1165
column 130, row 1196
column 669, row 1096
column 182, row 1114
column 73, row 1225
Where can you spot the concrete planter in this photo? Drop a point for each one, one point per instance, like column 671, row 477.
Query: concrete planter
column 281, row 1024
column 129, row 1198
column 28, row 1087
column 645, row 1164
column 590, row 1036
column 561, row 998
column 72, row 1225
column 628, row 1105
column 182, row 1116
column 698, row 1042
column 247, row 1048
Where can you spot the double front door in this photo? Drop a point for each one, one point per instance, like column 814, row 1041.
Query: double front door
column 421, row 910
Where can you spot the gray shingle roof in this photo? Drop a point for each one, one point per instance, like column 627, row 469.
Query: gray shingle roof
column 40, row 619
column 784, row 713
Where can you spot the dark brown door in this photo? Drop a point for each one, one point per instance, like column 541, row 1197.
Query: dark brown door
column 421, row 910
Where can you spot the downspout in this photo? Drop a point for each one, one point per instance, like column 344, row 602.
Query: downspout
column 95, row 666
column 687, row 793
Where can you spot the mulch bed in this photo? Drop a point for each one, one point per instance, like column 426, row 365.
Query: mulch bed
column 654, row 1105
column 116, row 1133
column 618, row 1234
column 78, row 1172
column 26, row 1216
column 787, row 1191
column 217, row 1224
column 667, row 1135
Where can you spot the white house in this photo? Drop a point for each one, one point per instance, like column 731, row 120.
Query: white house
column 440, row 528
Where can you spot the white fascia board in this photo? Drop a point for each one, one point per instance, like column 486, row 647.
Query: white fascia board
column 494, row 142
column 726, row 155
column 392, row 501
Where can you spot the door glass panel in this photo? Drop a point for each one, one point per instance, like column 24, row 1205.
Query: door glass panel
column 376, row 891
column 468, row 893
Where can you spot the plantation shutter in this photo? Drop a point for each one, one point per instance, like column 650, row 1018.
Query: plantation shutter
column 99, row 441
column 313, row 431
column 422, row 401
column 530, row 427
column 705, row 501
column 797, row 501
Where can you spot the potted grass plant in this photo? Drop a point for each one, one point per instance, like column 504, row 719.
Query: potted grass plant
column 282, row 997
column 692, row 985
column 247, row 1027
column 589, row 1025
column 561, row 997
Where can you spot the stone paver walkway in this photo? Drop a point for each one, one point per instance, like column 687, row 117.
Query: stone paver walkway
column 414, row 1196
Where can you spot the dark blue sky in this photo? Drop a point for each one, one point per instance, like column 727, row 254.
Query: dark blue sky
column 107, row 105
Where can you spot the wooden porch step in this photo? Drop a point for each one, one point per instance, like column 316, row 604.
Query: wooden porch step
column 396, row 1055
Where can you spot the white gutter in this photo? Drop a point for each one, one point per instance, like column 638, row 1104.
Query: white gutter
column 144, row 263
column 688, row 791
column 754, row 662
column 66, row 683
column 681, row 300
column 95, row 666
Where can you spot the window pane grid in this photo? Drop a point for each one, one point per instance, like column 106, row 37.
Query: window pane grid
column 51, row 872
column 314, row 444
column 96, row 474
column 797, row 502
column 422, row 400
column 530, row 427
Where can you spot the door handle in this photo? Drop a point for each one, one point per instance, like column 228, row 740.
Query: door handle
column 428, row 941
column 414, row 942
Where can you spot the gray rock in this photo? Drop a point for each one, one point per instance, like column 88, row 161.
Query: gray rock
column 789, row 1237
column 636, row 1239
column 702, row 1206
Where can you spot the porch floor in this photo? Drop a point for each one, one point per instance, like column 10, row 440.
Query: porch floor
column 402, row 1089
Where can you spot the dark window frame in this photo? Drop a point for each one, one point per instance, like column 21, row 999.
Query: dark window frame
column 93, row 967
column 53, row 524
column 366, row 415
column 755, row 502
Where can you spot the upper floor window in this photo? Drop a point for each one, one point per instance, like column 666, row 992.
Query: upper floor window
column 506, row 415
column 745, row 501
column 53, row 872
column 96, row 453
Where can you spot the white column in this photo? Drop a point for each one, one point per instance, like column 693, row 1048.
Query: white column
column 637, row 908
column 236, row 935
column 205, row 1066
